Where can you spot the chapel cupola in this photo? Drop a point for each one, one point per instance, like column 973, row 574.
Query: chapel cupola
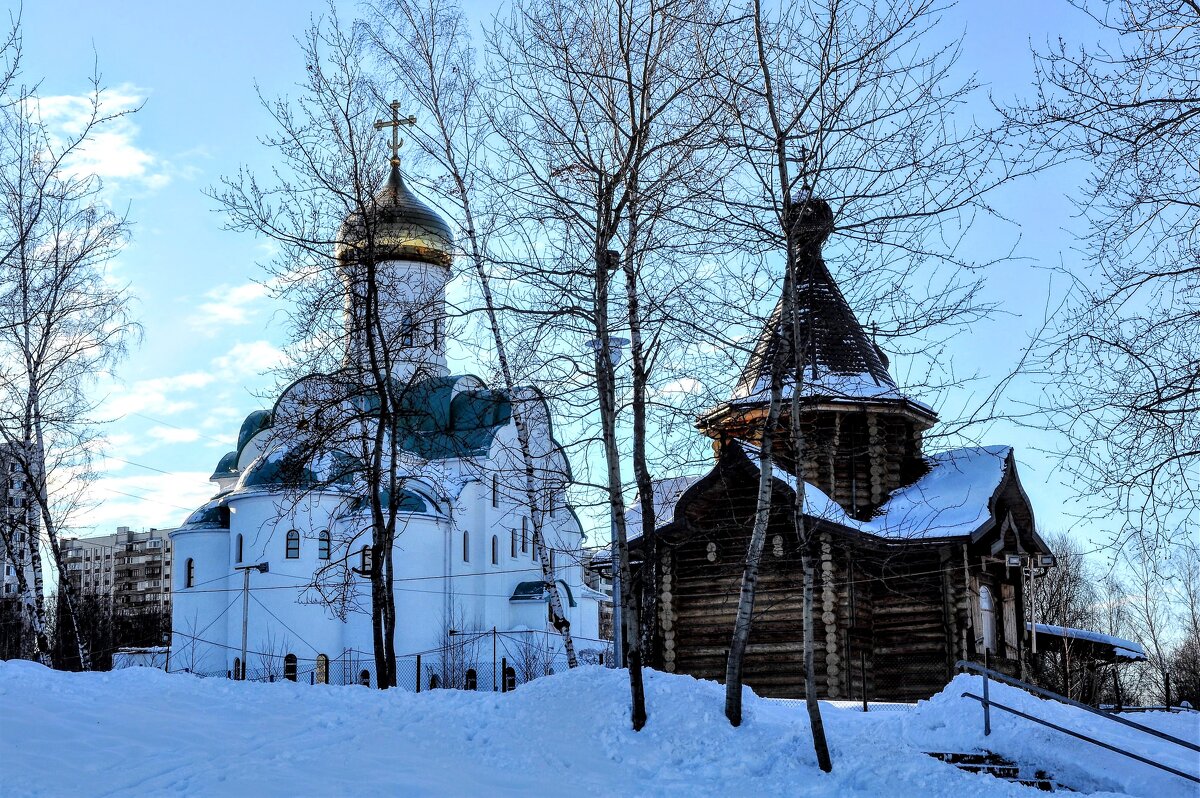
column 403, row 249
column 861, row 434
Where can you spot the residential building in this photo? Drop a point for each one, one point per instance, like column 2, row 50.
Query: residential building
column 132, row 568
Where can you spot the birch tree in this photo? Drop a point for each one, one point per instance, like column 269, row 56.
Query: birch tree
column 843, row 125
column 427, row 56
column 62, row 324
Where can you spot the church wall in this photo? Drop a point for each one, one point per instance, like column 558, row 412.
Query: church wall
column 196, row 611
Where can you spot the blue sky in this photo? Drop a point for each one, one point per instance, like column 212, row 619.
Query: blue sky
column 209, row 330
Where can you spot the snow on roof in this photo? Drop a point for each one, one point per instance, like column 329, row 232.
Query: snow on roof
column 953, row 499
column 1122, row 648
column 666, row 496
column 830, row 386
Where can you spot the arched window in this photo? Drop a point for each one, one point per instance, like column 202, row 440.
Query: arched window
column 524, row 535
column 365, row 561
column 323, row 545
column 987, row 619
column 239, row 548
column 495, row 551
column 466, row 546
column 322, row 676
column 237, row 669
column 364, row 677
column 513, row 553
column 551, row 560
column 293, row 545
column 434, row 682
column 437, row 332
column 289, row 667
column 189, row 573
column 510, row 679
column 495, row 490
column 406, row 330
column 471, row 682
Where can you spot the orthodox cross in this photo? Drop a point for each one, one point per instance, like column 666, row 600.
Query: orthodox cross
column 395, row 126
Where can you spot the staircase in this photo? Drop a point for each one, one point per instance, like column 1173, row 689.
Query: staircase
column 1001, row 768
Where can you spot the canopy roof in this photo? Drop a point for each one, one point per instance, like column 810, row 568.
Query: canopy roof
column 1097, row 645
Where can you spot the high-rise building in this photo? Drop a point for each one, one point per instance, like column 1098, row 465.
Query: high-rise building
column 131, row 568
column 18, row 525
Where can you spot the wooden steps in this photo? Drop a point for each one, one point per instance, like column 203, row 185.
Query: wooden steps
column 998, row 767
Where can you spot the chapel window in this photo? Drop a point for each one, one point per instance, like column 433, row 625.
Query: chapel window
column 365, row 561
column 495, row 551
column 495, row 490
column 289, row 667
column 513, row 553
column 524, row 535
column 323, row 545
column 322, row 674
column 406, row 330
column 364, row 677
column 510, row 679
column 189, row 573
column 239, row 548
column 471, row 682
column 237, row 669
column 293, row 545
column 466, row 546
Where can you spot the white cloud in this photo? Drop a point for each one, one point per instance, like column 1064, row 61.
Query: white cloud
column 253, row 358
column 153, row 395
column 173, row 434
column 227, row 305
column 111, row 152
column 144, row 500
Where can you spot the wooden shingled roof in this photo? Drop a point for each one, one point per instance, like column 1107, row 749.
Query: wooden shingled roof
column 833, row 342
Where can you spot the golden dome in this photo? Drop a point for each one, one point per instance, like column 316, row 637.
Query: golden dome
column 404, row 228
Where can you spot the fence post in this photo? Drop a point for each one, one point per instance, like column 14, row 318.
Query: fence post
column 504, row 674
column 312, row 677
column 418, row 673
column 987, row 706
column 1167, row 684
column 862, row 675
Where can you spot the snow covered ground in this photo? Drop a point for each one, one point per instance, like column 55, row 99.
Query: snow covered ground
column 142, row 732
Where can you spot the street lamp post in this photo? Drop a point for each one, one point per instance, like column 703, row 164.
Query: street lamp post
column 262, row 568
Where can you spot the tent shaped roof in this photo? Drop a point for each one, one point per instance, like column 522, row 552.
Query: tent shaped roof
column 838, row 359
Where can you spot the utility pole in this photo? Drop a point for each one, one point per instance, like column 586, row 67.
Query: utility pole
column 493, row 659
column 262, row 568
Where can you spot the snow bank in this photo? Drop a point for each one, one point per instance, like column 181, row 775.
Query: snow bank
column 143, row 732
column 952, row 723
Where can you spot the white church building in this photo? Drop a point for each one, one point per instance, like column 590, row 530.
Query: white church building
column 469, row 590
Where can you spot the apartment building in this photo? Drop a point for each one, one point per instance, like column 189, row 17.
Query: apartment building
column 17, row 522
column 131, row 568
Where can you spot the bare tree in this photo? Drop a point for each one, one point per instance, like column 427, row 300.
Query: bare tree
column 62, row 323
column 355, row 322
column 1125, row 360
column 425, row 49
column 845, row 105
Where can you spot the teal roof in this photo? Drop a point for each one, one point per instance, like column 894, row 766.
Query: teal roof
column 536, row 591
column 255, row 423
column 436, row 427
column 226, row 466
column 212, row 514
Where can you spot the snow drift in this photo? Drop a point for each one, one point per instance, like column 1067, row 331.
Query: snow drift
column 143, row 732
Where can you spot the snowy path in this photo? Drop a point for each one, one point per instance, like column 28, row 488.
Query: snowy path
column 145, row 733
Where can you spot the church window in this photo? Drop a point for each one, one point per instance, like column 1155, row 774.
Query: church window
column 364, row 678
column 323, row 545
column 289, row 667
column 365, row 561
column 524, row 535
column 495, row 490
column 510, row 679
column 513, row 553
column 237, row 668
column 239, row 548
column 322, row 676
column 495, row 550
column 189, row 573
column 406, row 330
column 434, row 682
column 471, row 682
column 551, row 560
column 466, row 546
column 293, row 545
column 437, row 331
column 987, row 619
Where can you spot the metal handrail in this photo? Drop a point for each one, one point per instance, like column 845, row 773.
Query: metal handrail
column 1083, row 737
column 1062, row 699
